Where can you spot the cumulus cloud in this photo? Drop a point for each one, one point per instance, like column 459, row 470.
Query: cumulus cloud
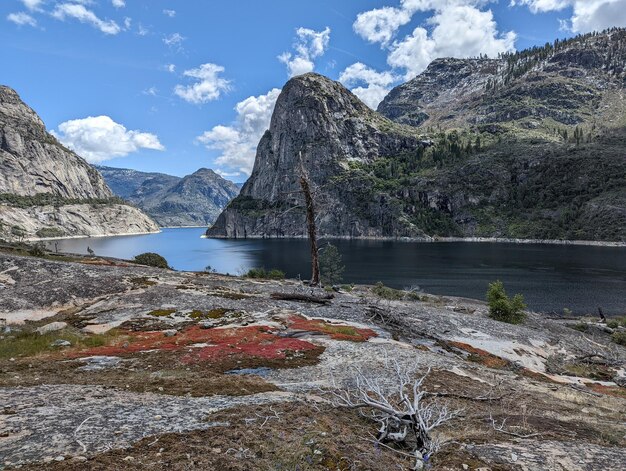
column 118, row 3
column 587, row 15
column 21, row 19
column 368, row 84
column 208, row 84
column 456, row 28
column 84, row 15
column 170, row 13
column 100, row 138
column 171, row 68
column 309, row 45
column 33, row 5
column 237, row 143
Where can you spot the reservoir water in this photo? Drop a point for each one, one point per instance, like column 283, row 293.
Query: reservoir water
column 551, row 277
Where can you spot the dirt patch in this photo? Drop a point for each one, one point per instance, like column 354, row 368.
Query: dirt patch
column 160, row 373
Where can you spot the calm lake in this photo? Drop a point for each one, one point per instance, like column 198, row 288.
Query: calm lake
column 551, row 277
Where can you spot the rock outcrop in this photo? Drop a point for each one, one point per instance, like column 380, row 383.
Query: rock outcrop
column 33, row 161
column 46, row 188
column 194, row 200
column 327, row 128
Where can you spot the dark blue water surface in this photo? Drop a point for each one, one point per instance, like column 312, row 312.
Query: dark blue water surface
column 551, row 277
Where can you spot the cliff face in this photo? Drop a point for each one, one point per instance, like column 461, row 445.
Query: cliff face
column 194, row 200
column 32, row 161
column 329, row 129
column 527, row 146
column 46, row 188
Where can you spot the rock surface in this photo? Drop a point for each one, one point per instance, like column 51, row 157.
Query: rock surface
column 138, row 395
column 32, row 161
column 76, row 220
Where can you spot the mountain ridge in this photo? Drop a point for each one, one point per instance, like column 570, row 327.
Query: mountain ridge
column 192, row 200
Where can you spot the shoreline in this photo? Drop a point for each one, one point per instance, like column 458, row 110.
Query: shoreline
column 431, row 240
column 93, row 236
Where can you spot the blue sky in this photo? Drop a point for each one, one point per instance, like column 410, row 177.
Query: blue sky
column 175, row 85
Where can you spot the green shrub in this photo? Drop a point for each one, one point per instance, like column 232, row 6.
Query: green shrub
column 276, row 274
column 619, row 338
column 616, row 322
column 152, row 260
column 50, row 232
column 261, row 273
column 385, row 292
column 331, row 268
column 502, row 308
column 37, row 250
column 256, row 273
column 581, row 327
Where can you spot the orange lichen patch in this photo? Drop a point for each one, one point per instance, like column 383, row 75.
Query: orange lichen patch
column 614, row 391
column 537, row 376
column 334, row 331
column 481, row 356
column 204, row 344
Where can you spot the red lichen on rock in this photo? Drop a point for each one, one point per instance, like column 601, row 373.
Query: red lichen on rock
column 481, row 356
column 250, row 341
column 615, row 391
column 334, row 331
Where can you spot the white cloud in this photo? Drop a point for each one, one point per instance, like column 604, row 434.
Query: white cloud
column 587, row 15
column 380, row 25
column 369, row 85
column 171, row 68
column 174, row 41
column 142, row 31
column 82, row 14
column 152, row 91
column 458, row 28
column 127, row 23
column 209, row 85
column 33, row 5
column 118, row 3
column 309, row 45
column 237, row 142
column 100, row 138
column 21, row 19
column 170, row 13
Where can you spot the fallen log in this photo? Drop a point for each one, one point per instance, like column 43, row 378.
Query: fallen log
column 302, row 297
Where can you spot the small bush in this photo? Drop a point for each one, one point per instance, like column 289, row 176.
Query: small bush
column 276, row 274
column 502, row 308
column 50, row 232
column 616, row 322
column 385, row 292
column 261, row 273
column 152, row 260
column 619, row 338
column 331, row 267
column 37, row 250
column 581, row 327
column 256, row 273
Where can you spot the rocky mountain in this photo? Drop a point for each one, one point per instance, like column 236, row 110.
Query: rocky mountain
column 124, row 182
column 46, row 188
column 530, row 145
column 194, row 200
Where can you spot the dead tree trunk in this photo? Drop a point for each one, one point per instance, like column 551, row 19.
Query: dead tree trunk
column 310, row 221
